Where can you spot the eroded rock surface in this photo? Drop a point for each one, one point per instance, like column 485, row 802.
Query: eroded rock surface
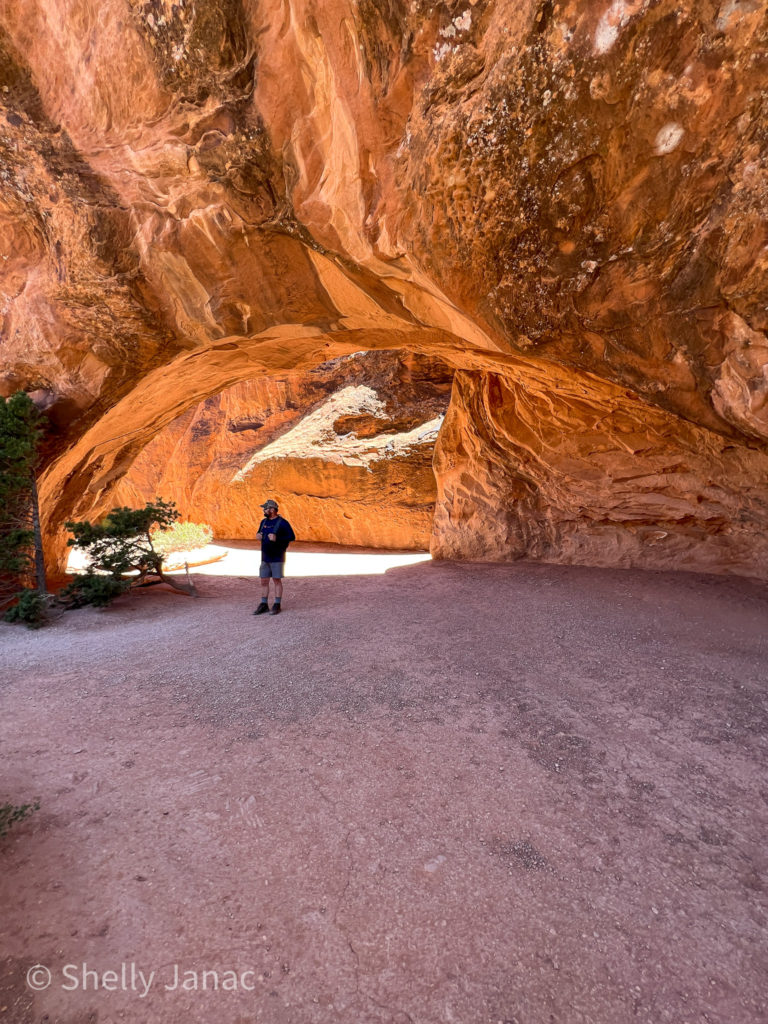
column 197, row 192
column 591, row 475
column 346, row 449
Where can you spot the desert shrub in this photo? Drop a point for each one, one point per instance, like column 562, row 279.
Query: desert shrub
column 121, row 554
column 182, row 537
column 31, row 609
column 94, row 589
column 11, row 814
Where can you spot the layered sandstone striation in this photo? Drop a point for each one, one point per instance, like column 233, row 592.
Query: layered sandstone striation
column 346, row 449
column 591, row 475
column 556, row 197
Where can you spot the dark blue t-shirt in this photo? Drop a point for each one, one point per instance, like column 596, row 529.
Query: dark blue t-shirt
column 274, row 550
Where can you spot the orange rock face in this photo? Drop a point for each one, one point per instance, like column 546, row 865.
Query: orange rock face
column 346, row 449
column 591, row 475
column 556, row 198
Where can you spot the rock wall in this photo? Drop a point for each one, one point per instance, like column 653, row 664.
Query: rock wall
column 590, row 475
column 346, row 450
column 199, row 192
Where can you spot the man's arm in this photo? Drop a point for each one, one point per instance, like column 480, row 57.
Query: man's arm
column 287, row 532
column 283, row 533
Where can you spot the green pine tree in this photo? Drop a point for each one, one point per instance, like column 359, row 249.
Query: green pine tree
column 22, row 427
column 121, row 554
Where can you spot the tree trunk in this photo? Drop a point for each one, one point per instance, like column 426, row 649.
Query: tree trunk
column 39, row 559
column 183, row 588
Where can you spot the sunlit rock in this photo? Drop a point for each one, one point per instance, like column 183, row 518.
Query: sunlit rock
column 346, row 450
column 200, row 193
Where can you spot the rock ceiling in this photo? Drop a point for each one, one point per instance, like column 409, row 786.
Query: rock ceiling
column 565, row 200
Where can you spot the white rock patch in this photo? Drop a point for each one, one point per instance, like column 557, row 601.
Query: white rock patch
column 737, row 7
column 314, row 437
column 668, row 138
column 464, row 21
column 607, row 32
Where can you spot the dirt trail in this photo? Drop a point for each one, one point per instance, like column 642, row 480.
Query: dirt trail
column 451, row 793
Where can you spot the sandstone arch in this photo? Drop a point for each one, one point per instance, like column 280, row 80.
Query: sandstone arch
column 346, row 448
column 565, row 200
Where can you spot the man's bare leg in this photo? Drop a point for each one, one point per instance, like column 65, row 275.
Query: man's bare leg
column 264, row 597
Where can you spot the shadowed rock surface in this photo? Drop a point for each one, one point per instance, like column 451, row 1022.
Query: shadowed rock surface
column 568, row 196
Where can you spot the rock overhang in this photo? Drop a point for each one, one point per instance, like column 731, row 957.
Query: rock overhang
column 571, row 186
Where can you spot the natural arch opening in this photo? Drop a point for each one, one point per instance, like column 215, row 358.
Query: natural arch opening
column 534, row 460
column 510, row 191
column 81, row 481
column 345, row 447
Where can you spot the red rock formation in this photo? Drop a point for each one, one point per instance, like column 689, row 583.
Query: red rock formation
column 590, row 474
column 204, row 191
column 346, row 449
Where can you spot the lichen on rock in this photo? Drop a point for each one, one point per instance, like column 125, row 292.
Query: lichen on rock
column 197, row 193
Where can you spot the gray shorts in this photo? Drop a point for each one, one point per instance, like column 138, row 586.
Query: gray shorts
column 273, row 569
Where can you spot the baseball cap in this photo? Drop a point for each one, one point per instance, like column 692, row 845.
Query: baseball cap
column 269, row 504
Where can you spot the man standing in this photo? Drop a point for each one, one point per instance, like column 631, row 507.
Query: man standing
column 275, row 534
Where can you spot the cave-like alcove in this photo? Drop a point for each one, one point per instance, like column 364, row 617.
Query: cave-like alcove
column 346, row 448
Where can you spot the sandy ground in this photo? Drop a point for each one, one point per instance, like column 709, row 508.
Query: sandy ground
column 442, row 793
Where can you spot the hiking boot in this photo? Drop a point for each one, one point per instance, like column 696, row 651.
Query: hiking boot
column 263, row 607
column 275, row 609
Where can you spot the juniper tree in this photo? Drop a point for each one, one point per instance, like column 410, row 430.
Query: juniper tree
column 21, row 549
column 121, row 554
